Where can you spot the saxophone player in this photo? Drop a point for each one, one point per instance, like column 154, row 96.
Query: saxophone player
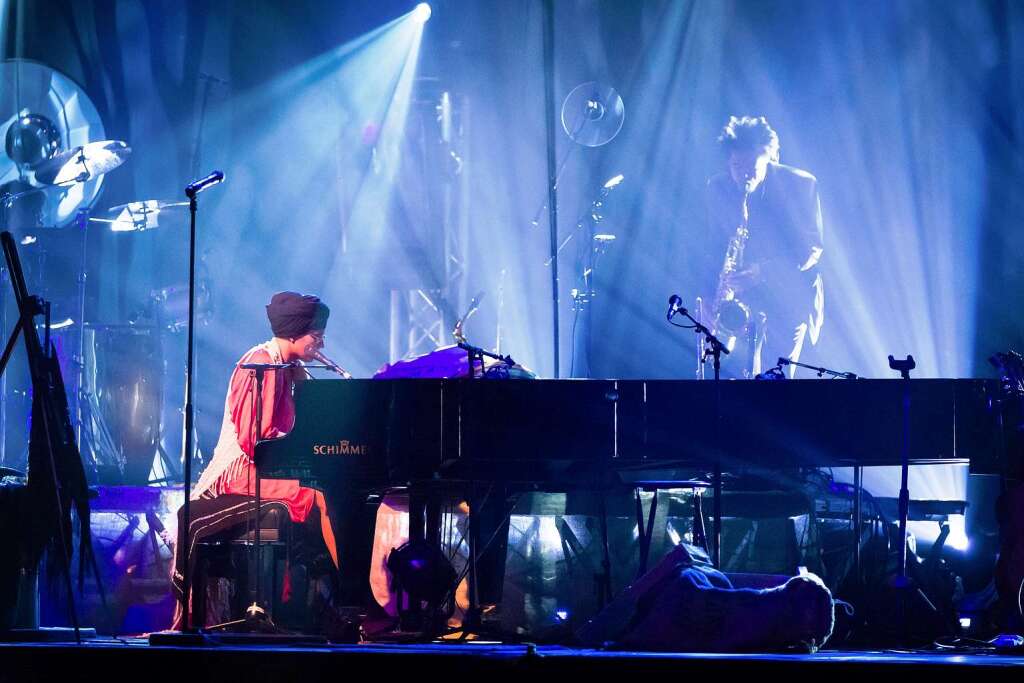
column 765, row 217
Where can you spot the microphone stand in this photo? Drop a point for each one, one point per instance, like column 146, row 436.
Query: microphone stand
column 858, row 475
column 256, row 612
column 186, row 581
column 549, row 124
column 191, row 192
column 821, row 371
column 714, row 347
column 902, row 583
column 477, row 354
column 256, row 618
column 472, row 620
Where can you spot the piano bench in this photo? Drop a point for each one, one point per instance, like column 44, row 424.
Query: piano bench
column 227, row 556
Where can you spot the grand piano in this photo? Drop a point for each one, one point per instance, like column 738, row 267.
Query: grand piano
column 444, row 437
column 561, row 434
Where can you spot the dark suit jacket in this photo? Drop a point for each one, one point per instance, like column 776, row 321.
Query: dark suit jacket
column 786, row 239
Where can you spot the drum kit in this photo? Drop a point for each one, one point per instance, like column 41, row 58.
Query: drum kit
column 53, row 166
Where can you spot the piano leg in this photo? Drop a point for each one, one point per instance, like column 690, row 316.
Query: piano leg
column 857, row 520
column 417, row 518
column 489, row 533
column 716, row 556
column 353, row 521
column 433, row 518
column 412, row 618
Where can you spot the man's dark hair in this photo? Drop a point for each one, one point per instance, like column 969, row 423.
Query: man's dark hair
column 747, row 133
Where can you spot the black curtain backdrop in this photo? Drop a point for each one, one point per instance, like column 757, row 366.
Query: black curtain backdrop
column 907, row 112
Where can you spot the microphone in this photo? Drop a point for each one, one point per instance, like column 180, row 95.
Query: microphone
column 783, row 361
column 674, row 305
column 594, row 108
column 198, row 186
column 334, row 367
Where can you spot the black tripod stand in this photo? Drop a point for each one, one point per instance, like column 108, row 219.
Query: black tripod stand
column 56, row 482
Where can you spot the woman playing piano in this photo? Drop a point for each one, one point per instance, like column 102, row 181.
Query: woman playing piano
column 222, row 500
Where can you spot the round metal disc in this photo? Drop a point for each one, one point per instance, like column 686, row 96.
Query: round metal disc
column 592, row 114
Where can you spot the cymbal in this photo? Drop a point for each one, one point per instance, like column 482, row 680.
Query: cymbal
column 134, row 216
column 592, row 114
column 83, row 163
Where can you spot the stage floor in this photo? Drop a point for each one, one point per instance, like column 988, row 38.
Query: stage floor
column 117, row 659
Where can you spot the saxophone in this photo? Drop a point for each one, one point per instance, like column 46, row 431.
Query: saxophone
column 730, row 316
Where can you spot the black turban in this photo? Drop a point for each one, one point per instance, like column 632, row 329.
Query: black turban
column 292, row 314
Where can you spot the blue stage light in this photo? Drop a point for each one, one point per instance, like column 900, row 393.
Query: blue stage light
column 421, row 13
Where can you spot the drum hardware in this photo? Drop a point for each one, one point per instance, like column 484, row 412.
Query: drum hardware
column 52, row 113
column 592, row 115
column 592, row 216
column 121, row 401
column 166, row 308
column 21, row 205
column 589, row 254
column 134, row 443
column 45, row 118
column 164, row 311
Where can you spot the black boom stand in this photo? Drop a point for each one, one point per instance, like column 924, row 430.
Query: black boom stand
column 472, row 622
column 904, row 587
column 904, row 367
column 191, row 191
column 714, row 348
column 835, row 374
